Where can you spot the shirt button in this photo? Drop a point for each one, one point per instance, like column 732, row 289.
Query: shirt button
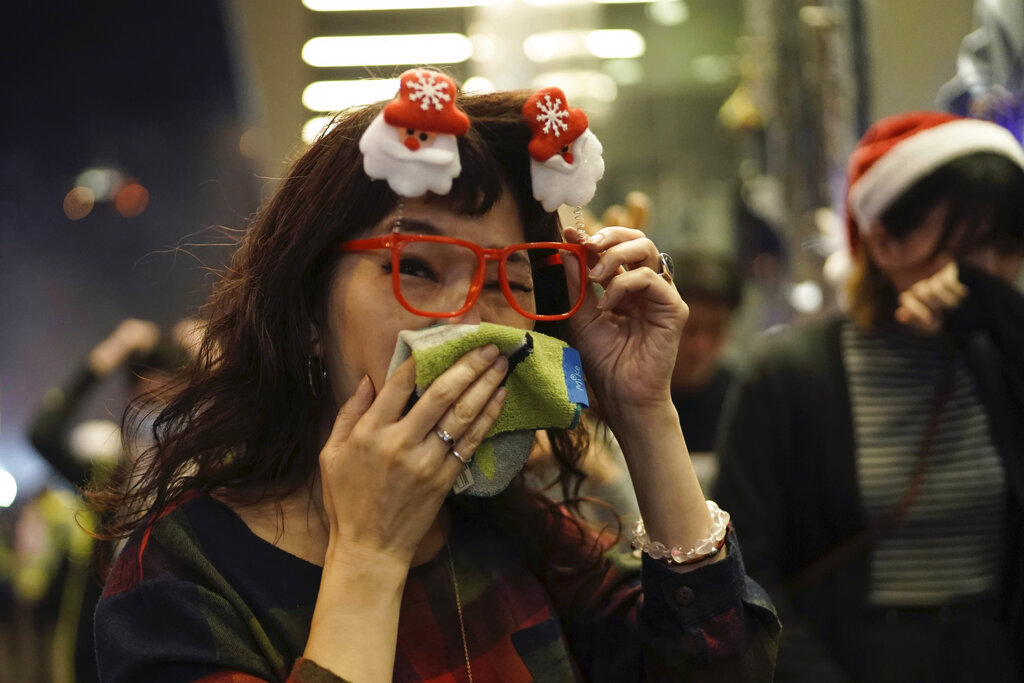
column 684, row 596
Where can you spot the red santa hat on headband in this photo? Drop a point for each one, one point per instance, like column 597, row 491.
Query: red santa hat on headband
column 426, row 101
column 412, row 142
column 566, row 160
column 897, row 151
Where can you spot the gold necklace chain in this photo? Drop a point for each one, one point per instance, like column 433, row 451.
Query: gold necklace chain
column 458, row 607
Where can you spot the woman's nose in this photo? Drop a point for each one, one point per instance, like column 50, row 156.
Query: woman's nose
column 471, row 317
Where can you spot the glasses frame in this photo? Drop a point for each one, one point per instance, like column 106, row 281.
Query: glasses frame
column 395, row 241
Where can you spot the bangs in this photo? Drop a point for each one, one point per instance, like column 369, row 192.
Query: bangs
column 987, row 206
column 495, row 159
column 984, row 196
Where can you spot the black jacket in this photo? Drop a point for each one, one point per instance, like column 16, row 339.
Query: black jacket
column 788, row 472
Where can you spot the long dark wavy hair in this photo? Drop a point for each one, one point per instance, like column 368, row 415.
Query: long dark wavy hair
column 244, row 421
column 984, row 196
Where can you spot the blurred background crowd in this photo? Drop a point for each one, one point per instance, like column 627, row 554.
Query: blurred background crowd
column 138, row 137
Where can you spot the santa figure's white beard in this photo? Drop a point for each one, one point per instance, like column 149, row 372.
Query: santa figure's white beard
column 409, row 173
column 557, row 182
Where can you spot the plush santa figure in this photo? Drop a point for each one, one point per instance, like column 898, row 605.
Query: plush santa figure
column 412, row 142
column 566, row 160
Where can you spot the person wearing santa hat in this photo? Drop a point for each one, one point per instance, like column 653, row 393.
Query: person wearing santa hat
column 872, row 459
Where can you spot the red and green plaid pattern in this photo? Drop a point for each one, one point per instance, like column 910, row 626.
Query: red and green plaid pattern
column 207, row 600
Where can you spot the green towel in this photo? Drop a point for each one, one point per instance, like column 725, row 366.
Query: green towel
column 545, row 390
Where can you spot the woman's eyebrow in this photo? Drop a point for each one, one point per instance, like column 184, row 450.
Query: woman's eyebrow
column 420, row 227
column 416, row 226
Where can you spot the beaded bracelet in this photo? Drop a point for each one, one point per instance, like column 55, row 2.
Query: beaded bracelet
column 702, row 549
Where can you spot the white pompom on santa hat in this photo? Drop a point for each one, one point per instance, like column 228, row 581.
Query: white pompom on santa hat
column 897, row 151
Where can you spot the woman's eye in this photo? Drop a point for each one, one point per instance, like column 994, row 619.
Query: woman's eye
column 525, row 286
column 413, row 268
column 417, row 268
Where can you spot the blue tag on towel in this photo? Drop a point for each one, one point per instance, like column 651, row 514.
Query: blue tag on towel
column 572, row 368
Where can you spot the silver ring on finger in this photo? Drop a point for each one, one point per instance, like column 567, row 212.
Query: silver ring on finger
column 448, row 439
column 463, row 459
column 667, row 267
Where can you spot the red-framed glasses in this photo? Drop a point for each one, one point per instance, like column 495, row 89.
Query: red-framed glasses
column 442, row 277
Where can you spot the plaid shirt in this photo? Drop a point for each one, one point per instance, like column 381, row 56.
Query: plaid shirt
column 200, row 597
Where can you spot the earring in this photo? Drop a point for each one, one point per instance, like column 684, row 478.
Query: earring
column 317, row 378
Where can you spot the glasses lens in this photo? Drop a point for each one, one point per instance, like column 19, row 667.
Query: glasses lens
column 538, row 279
column 435, row 277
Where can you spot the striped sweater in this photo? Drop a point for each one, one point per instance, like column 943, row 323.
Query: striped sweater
column 948, row 548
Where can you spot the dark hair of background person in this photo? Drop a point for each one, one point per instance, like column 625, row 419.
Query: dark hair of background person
column 984, row 193
column 246, row 422
column 707, row 275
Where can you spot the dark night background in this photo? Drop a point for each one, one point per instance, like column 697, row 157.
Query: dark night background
column 142, row 87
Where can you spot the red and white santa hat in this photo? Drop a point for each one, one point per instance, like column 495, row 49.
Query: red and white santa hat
column 426, row 101
column 897, row 151
column 554, row 124
column 565, row 156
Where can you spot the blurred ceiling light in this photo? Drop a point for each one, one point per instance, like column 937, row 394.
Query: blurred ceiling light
column 484, row 48
column 624, row 71
column 604, row 44
column 8, row 489
column 617, row 43
column 315, row 127
column 555, row 3
column 338, row 95
column 79, row 202
column 713, row 68
column 668, row 12
column 478, row 84
column 580, row 85
column 422, row 48
column 366, row 5
column 552, row 45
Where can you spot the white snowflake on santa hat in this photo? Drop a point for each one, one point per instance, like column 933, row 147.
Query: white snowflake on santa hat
column 412, row 142
column 565, row 157
column 550, row 113
column 432, row 88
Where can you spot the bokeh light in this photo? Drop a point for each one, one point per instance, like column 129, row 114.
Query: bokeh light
column 806, row 296
column 104, row 182
column 668, row 12
column 131, row 200
column 78, row 202
column 316, row 127
column 8, row 489
column 252, row 143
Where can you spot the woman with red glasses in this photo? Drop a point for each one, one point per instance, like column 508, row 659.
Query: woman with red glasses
column 296, row 520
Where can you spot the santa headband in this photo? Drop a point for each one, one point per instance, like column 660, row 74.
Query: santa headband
column 899, row 150
column 412, row 142
column 565, row 157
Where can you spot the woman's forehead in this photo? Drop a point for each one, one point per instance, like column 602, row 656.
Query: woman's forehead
column 499, row 226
